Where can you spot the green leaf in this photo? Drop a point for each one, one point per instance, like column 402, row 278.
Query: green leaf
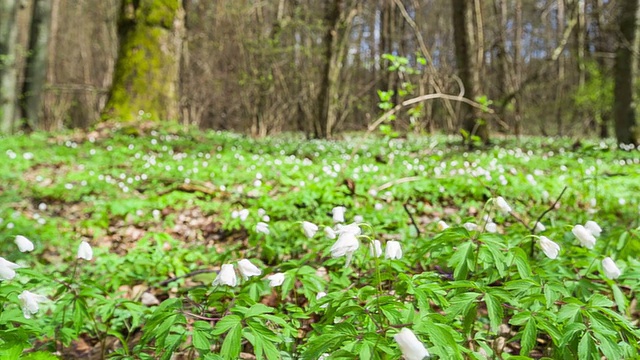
column 258, row 309
column 620, row 299
column 225, row 324
column 231, row 345
column 40, row 355
column 522, row 263
column 608, row 346
column 529, row 335
column 568, row 312
column 201, row 337
column 586, row 348
column 494, row 308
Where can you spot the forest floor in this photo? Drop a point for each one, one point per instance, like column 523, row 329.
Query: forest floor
column 164, row 208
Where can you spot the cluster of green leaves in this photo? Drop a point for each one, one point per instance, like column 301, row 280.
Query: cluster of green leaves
column 470, row 294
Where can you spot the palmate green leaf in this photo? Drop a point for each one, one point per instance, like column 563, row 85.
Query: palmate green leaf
column 443, row 337
column 587, row 349
column 529, row 336
column 568, row 312
column 570, row 332
column 201, row 336
column 323, row 343
column 599, row 300
column 225, row 324
column 461, row 303
column 258, row 309
column 460, row 260
column 232, row 341
column 610, row 349
column 494, row 308
column 522, row 262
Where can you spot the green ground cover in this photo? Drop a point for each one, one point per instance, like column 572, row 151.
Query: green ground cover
column 164, row 208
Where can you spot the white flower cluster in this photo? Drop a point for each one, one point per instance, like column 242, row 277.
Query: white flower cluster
column 30, row 301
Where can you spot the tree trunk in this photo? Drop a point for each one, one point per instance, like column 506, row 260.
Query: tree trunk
column 36, row 67
column 146, row 78
column 626, row 131
column 517, row 68
column 467, row 69
column 337, row 21
column 8, row 69
column 561, row 69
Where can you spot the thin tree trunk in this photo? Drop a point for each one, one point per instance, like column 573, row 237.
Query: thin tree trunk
column 467, row 69
column 560, row 19
column 36, row 67
column 517, row 65
column 626, row 131
column 8, row 68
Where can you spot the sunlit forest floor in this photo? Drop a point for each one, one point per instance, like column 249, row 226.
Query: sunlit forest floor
column 162, row 208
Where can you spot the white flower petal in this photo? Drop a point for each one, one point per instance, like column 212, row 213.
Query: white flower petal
column 24, row 244
column 411, row 347
column 226, row 276
column 610, row 268
column 247, row 269
column 85, row 251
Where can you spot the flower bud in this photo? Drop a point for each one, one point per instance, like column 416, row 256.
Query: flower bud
column 411, row 347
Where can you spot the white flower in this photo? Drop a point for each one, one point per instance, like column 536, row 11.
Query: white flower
column 85, row 251
column 242, row 214
column 375, row 248
column 226, row 276
column 470, row 226
column 30, row 302
column 393, row 250
column 411, row 347
column 247, row 269
column 586, row 238
column 358, row 218
column 309, row 229
column 593, row 228
column 378, row 206
column 442, row 225
column 501, row 203
column 338, row 213
column 352, row 228
column 610, row 268
column 319, row 296
column 346, row 244
column 539, row 227
column 276, row 279
column 549, row 247
column 23, row 243
column 329, row 232
column 491, row 227
column 7, row 269
column 262, row 227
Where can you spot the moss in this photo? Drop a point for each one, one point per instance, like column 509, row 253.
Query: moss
column 158, row 12
column 146, row 74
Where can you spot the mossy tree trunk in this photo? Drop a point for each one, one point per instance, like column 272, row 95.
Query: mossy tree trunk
column 146, row 78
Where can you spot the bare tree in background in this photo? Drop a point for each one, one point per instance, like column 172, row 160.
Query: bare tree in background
column 36, row 68
column 8, row 68
column 468, row 71
column 146, row 79
column 626, row 130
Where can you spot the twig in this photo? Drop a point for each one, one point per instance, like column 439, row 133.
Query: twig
column 195, row 272
column 397, row 181
column 413, row 221
column 553, row 206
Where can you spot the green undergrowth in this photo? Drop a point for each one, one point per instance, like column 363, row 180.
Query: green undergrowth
column 162, row 209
